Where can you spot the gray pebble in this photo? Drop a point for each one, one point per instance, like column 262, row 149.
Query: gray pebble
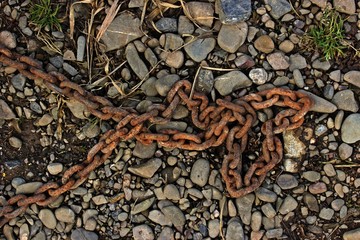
column 200, row 172
column 47, row 217
column 57, row 61
column 234, row 230
column 337, row 204
column 144, row 151
column 164, row 84
column 289, row 204
column 345, row 100
column 229, row 82
column 258, row 76
column 18, row 81
column 350, row 131
column 65, row 214
column 326, row 213
column 299, row 80
column 82, row 234
column 329, row 170
column 81, row 42
column 287, row 181
column 55, row 168
column 244, row 206
column 345, row 151
column 70, row 69
column 265, row 195
column 311, row 176
column 166, row 24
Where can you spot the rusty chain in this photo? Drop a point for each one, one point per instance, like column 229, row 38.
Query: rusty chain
column 227, row 121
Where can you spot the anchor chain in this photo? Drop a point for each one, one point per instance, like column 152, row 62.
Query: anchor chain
column 225, row 122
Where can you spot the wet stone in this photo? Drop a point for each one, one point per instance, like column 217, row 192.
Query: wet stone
column 234, row 11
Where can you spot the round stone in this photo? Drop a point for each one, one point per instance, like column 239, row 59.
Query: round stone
column 287, row 181
column 47, row 217
column 65, row 214
column 350, row 131
column 200, row 172
column 15, row 142
column 55, row 168
column 264, row 44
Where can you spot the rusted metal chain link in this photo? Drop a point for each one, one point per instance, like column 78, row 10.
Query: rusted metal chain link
column 227, row 121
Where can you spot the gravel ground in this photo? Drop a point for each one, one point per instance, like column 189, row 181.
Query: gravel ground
column 150, row 192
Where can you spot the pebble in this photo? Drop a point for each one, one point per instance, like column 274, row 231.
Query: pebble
column 293, row 146
column 268, row 210
column 297, row 62
column 321, row 65
column 185, row 26
column 278, row 61
column 299, row 80
column 200, row 48
column 311, row 176
column 8, row 39
column 311, row 202
column 91, row 130
column 65, row 214
column 28, row 188
column 143, row 232
column 171, row 192
column 99, row 199
column 5, row 111
column 57, row 61
column 350, row 131
column 55, row 168
column 77, row 109
column 258, row 76
column 291, row 165
column 274, row 233
column 345, row 151
column 159, row 218
column 200, row 171
column 234, row 230
column 171, row 41
column 232, row 81
column 326, row 213
column 353, row 78
column 146, row 169
column 244, row 206
column 214, row 228
column 317, row 188
column 286, row 47
column 279, row 8
column 164, row 84
column 288, row 205
column 175, row 59
column 329, row 91
column 144, row 151
column 47, row 217
column 201, row 12
column 233, row 11
column 45, row 120
column 167, row 25
column 205, row 81
column 329, row 170
column 135, row 62
column 70, row 69
column 82, row 234
column 174, row 214
column 122, row 30
column 265, row 195
column 345, row 6
column 231, row 37
column 320, row 3
column 319, row 104
column 337, row 204
column 264, row 44
column 256, row 219
column 345, row 100
column 352, row 235
column 15, row 142
column 18, row 81
column 80, row 53
column 287, row 181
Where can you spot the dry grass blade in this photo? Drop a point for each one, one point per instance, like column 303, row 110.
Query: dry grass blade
column 99, row 81
column 47, row 39
column 72, row 16
column 114, row 9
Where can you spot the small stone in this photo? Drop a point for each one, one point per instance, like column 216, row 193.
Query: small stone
column 352, row 235
column 346, row 101
column 205, row 81
column 78, row 109
column 345, row 151
column 15, row 142
column 256, row 219
column 311, row 202
column 171, row 41
column 234, row 11
column 55, row 168
column 185, row 26
column 165, row 24
column 311, row 176
column 28, row 188
column 91, row 130
column 82, row 234
column 213, row 226
column 329, row 91
column 345, row 6
column 244, row 61
column 322, row 65
column 148, row 87
column 232, row 81
column 320, row 3
column 44, row 120
column 65, row 214
column 279, row 8
column 70, row 69
column 350, row 131
column 47, row 217
column 8, row 39
column 278, row 61
column 5, row 111
column 329, row 170
column 326, row 213
column 135, row 62
column 258, row 76
column 164, row 84
column 81, row 42
column 201, row 12
column 144, row 151
column 175, row 59
column 299, row 80
column 57, row 61
column 291, row 165
column 122, row 30
column 317, row 188
column 174, row 214
column 199, row 49
column 68, row 56
column 159, row 218
column 286, row 47
column 337, row 204
column 265, row 195
column 297, row 62
column 319, row 104
column 200, row 172
column 146, row 169
column 143, row 206
column 18, row 81
column 143, row 232
column 244, row 206
column 289, row 204
column 293, row 146
column 268, row 210
column 287, row 181
column 264, row 44
column 274, row 233
column 353, row 77
column 171, row 192
column 231, row 37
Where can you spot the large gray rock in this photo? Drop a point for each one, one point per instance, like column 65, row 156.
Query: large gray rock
column 234, row 230
column 200, row 48
column 279, row 8
column 123, row 29
column 319, row 104
column 234, row 11
column 353, row 77
column 350, row 130
column 200, row 172
column 345, row 100
column 244, row 206
column 229, row 82
column 352, row 235
column 135, row 62
column 146, row 169
column 231, row 37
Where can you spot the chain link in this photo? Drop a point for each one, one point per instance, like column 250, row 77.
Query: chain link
column 227, row 121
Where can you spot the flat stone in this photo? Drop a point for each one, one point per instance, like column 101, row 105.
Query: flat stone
column 159, row 218
column 264, row 44
column 91, row 130
column 286, row 47
column 293, row 146
column 199, row 174
column 55, row 168
column 353, row 77
column 329, row 170
column 65, row 214
column 274, row 233
column 171, row 192
column 352, row 235
column 205, row 81
column 135, row 62
column 70, row 69
column 122, row 30
column 234, row 230
column 5, row 111
column 148, row 87
column 345, row 100
column 78, row 109
column 256, row 221
column 265, row 195
column 287, row 181
column 350, row 131
column 8, row 39
column 143, row 232
column 18, row 81
column 311, row 176
column 181, row 126
column 47, row 217
column 297, row 62
column 201, row 12
column 175, row 59
column 174, row 214
column 244, row 206
column 319, row 104
column 299, row 80
column 15, row 142
column 279, row 8
column 326, row 213
column 337, row 204
column 231, row 37
column 82, row 234
column 258, row 76
column 320, row 3
column 311, row 202
column 200, row 48
column 185, row 26
column 57, row 61
column 317, row 188
column 164, row 84
column 142, row 206
column 232, row 81
column 345, row 6
column 278, row 61
column 144, row 151
column 214, row 228
column 268, row 210
column 345, row 151
column 234, row 11
column 99, row 199
column 146, row 169
column 289, row 204
column 321, row 65
column 165, row 24
column 171, row 41
column 28, row 188
column 45, row 120
column 80, row 53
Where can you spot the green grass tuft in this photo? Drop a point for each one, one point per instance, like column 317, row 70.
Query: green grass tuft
column 328, row 37
column 43, row 15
